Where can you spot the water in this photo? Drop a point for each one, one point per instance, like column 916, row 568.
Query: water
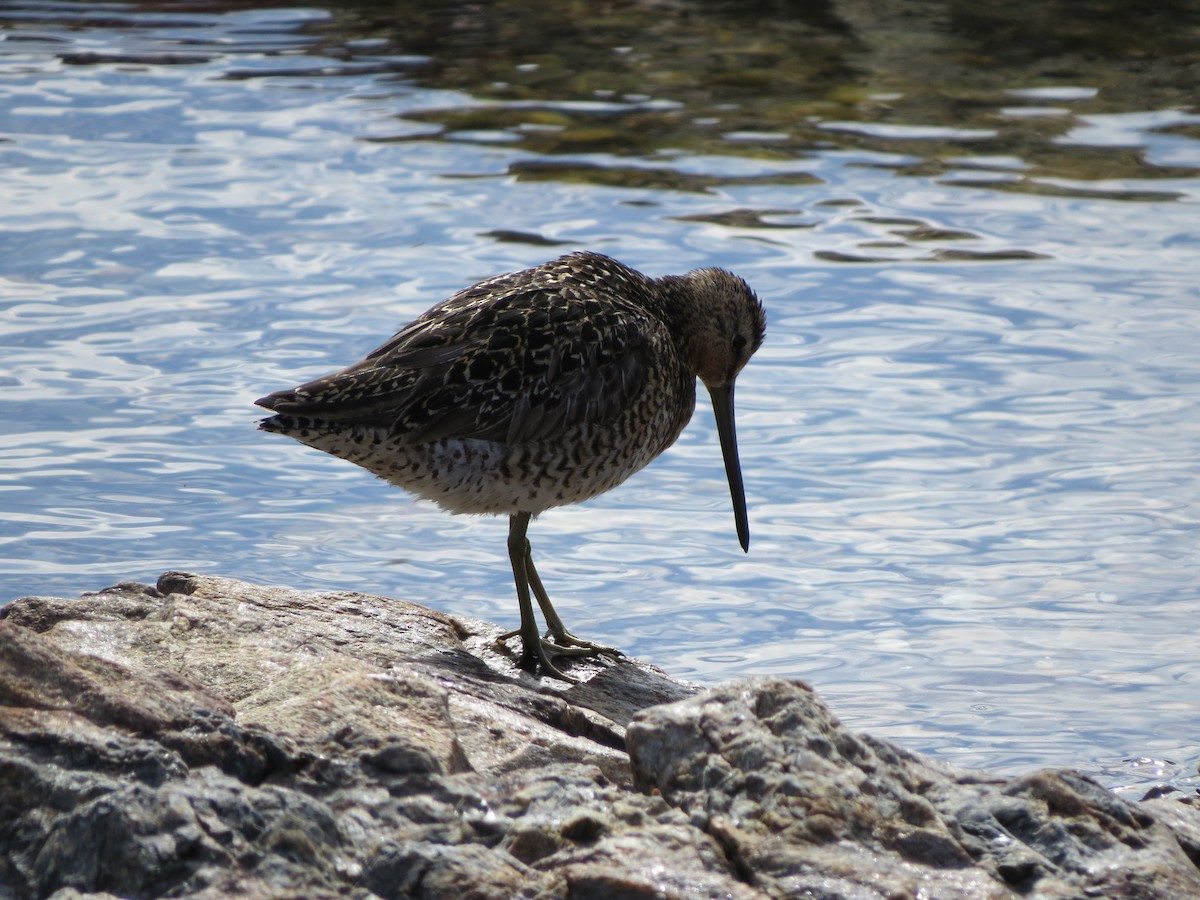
column 970, row 441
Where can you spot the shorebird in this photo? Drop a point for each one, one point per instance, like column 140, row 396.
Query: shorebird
column 537, row 389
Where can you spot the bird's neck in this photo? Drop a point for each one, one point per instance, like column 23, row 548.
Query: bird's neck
column 683, row 318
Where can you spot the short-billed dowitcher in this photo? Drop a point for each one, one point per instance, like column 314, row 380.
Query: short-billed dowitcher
column 536, row 389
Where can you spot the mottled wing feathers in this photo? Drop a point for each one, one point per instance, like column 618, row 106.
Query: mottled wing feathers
column 515, row 358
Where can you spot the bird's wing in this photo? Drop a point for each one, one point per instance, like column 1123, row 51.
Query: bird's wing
column 512, row 363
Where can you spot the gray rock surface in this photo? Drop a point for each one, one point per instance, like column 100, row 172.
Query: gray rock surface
column 212, row 738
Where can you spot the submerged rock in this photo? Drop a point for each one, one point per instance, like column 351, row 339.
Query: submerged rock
column 213, row 738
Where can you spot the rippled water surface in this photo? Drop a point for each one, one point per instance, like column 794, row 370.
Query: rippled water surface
column 970, row 441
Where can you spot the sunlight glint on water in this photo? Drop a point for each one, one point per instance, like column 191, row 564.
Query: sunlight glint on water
column 973, row 485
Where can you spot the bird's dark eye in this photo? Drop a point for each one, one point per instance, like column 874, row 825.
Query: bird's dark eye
column 739, row 341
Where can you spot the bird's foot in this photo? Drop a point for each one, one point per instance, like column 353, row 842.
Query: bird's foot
column 543, row 650
column 569, row 645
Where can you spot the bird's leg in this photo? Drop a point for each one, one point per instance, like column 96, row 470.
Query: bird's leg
column 533, row 648
column 565, row 642
column 536, row 650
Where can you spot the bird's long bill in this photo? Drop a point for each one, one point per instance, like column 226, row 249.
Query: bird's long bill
column 722, row 400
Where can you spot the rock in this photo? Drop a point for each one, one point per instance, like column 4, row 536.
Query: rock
column 209, row 738
column 804, row 807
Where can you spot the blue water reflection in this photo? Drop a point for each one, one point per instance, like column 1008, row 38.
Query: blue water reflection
column 974, row 486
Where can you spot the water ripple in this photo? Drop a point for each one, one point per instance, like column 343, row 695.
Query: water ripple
column 972, row 477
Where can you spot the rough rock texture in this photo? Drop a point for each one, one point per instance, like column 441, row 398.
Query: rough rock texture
column 211, row 738
column 803, row 807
